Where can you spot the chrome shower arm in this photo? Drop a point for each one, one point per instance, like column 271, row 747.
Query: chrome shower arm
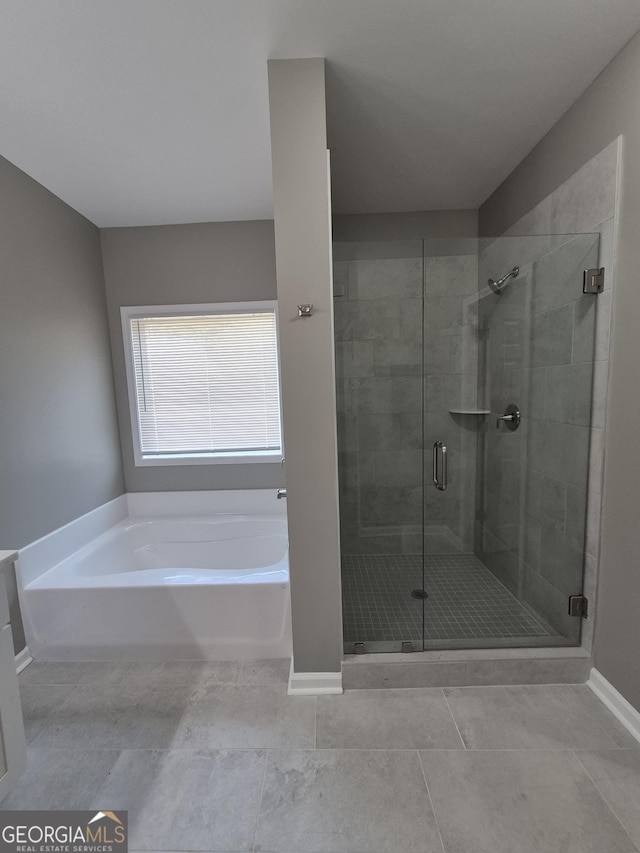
column 496, row 286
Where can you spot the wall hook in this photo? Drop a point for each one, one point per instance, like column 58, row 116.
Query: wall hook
column 305, row 310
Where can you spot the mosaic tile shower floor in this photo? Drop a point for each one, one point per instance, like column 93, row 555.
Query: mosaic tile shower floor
column 465, row 601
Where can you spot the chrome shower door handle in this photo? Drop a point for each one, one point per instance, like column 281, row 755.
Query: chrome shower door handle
column 440, row 471
column 445, row 463
column 435, row 464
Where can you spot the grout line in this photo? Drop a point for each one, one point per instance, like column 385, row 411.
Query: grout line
column 130, row 667
column 264, row 776
column 433, row 811
column 73, row 686
column 601, row 795
column 519, row 683
column 455, row 723
column 209, row 753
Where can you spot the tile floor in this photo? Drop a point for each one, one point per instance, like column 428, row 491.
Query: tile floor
column 466, row 601
column 216, row 757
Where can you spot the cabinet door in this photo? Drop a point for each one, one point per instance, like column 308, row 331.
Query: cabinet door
column 13, row 751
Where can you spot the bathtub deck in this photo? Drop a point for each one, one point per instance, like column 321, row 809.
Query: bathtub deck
column 215, row 756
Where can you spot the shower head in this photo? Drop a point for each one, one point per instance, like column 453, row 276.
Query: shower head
column 497, row 286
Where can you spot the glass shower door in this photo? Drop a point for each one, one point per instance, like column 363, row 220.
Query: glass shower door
column 537, row 352
column 508, row 389
column 457, row 530
column 451, row 421
column 378, row 300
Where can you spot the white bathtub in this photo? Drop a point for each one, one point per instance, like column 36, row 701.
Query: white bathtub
column 164, row 582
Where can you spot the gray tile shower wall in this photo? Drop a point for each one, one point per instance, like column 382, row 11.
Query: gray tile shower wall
column 534, row 521
column 378, row 335
column 450, row 369
column 383, row 307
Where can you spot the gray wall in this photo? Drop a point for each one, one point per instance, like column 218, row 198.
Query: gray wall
column 303, row 255
column 182, row 264
column 59, row 454
column 608, row 107
column 59, row 451
column 405, row 226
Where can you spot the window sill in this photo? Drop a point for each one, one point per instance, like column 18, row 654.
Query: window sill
column 257, row 458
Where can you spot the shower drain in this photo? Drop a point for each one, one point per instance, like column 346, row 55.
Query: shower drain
column 419, row 593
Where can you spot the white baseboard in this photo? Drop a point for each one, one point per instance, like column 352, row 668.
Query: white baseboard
column 314, row 683
column 23, row 659
column 616, row 703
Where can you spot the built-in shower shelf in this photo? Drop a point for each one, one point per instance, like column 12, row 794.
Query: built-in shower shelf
column 470, row 411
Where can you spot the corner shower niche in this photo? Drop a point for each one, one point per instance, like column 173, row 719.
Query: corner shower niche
column 428, row 357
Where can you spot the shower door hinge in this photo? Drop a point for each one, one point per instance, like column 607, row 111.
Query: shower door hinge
column 593, row 280
column 578, row 606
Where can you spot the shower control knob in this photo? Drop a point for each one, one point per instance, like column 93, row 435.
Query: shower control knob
column 511, row 417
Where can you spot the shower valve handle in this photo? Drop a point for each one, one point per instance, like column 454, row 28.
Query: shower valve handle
column 511, row 417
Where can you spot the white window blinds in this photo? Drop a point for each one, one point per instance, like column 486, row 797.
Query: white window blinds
column 206, row 383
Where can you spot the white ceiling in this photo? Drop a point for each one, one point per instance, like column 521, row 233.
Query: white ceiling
column 140, row 112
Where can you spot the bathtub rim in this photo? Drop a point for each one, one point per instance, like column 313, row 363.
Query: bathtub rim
column 40, row 556
column 64, row 575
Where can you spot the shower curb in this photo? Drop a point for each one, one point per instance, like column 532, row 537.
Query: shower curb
column 467, row 669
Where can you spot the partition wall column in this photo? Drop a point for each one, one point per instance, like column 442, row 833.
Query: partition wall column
column 302, row 214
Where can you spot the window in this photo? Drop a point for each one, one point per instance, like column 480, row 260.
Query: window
column 203, row 383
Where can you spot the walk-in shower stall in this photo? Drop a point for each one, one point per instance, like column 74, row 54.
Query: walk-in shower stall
column 464, row 373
